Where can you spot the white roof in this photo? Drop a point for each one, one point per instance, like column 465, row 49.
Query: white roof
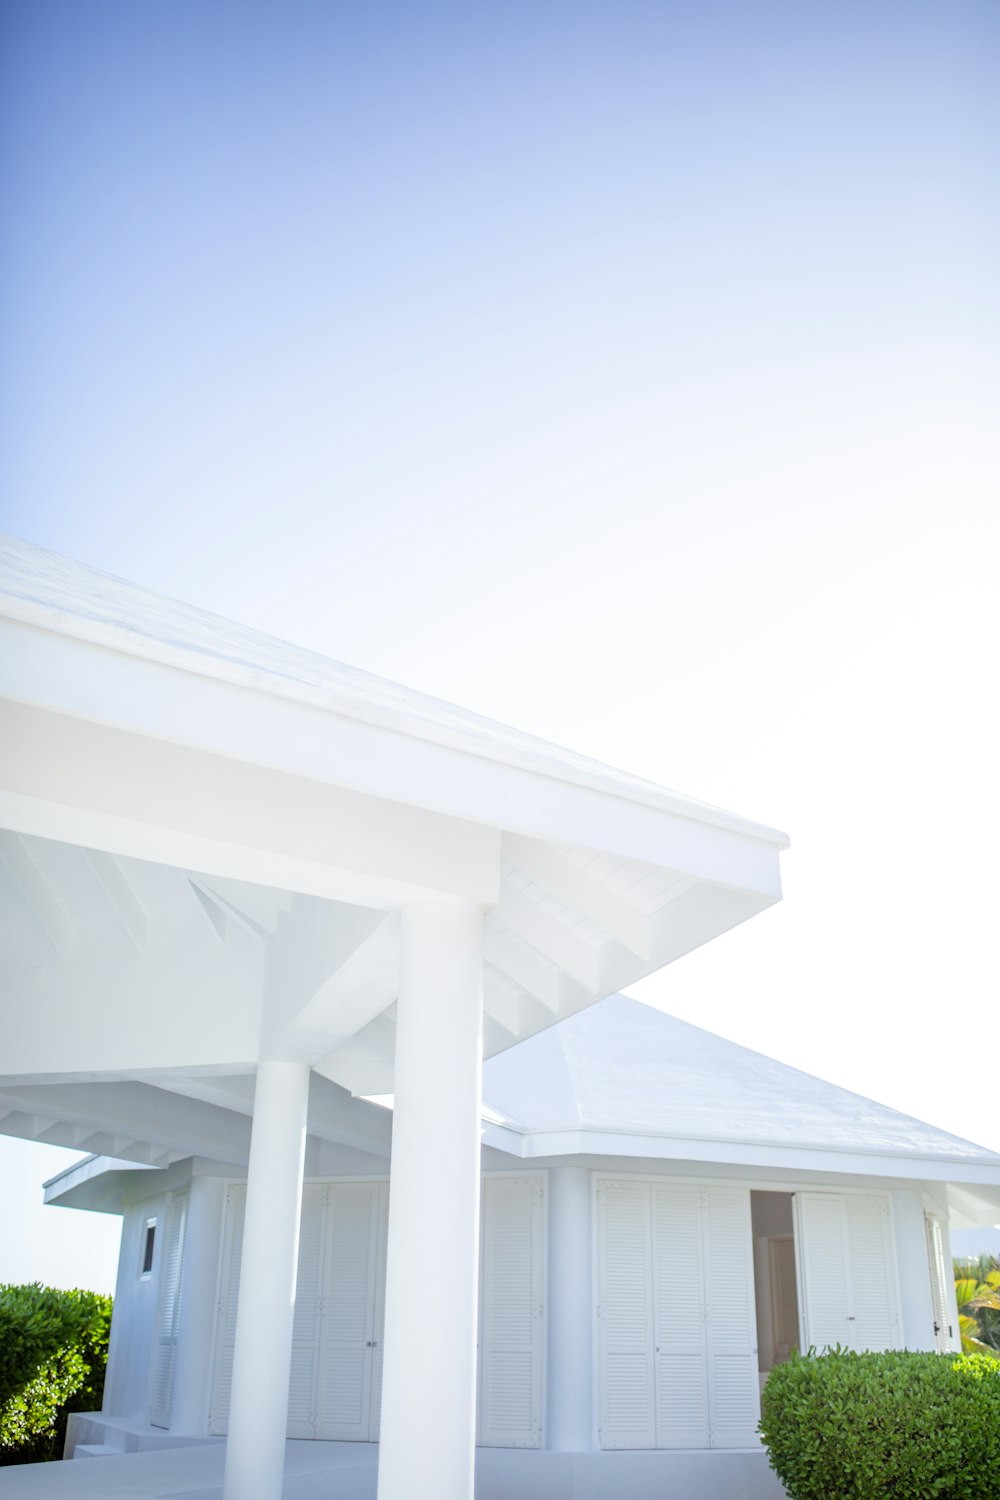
column 45, row 589
column 625, row 1070
column 177, row 790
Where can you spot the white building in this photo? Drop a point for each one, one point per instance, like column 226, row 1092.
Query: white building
column 243, row 890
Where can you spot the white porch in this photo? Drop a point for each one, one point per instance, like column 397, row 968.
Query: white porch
column 317, row 1470
column 234, row 873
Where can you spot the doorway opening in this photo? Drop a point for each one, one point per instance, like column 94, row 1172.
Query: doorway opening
column 775, row 1283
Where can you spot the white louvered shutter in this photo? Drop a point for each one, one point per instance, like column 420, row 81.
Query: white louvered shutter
column 848, row 1287
column 682, row 1395
column 229, row 1293
column 512, row 1317
column 943, row 1338
column 824, row 1286
column 168, row 1311
column 306, row 1326
column 378, row 1328
column 625, row 1316
column 873, row 1284
column 731, row 1319
column 346, row 1340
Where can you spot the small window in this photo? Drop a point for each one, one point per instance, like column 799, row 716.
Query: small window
column 148, row 1241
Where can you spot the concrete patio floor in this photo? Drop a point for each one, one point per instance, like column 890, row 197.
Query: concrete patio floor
column 313, row 1471
column 348, row 1471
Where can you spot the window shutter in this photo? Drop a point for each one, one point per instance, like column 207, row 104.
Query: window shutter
column 168, row 1311
column 229, row 1292
column 943, row 1339
column 512, row 1312
column 345, row 1364
column 625, row 1316
column 873, row 1285
column 731, row 1319
column 682, row 1414
column 306, row 1327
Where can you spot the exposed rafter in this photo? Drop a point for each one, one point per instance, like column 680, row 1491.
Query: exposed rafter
column 215, row 912
column 255, row 908
column 27, row 872
column 122, row 895
column 572, row 884
column 554, row 941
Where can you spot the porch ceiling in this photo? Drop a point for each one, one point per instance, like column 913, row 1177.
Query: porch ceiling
column 207, row 836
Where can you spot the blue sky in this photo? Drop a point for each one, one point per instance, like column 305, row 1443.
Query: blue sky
column 624, row 371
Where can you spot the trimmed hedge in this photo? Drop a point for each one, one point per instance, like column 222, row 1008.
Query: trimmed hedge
column 911, row 1426
column 53, row 1353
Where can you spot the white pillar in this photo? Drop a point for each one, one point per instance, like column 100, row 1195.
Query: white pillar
column 916, row 1305
column 258, row 1412
column 570, row 1416
column 428, row 1430
column 196, row 1323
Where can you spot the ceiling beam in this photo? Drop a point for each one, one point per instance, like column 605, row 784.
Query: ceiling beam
column 30, row 879
column 584, row 892
column 506, row 952
column 215, row 914
column 122, row 895
column 550, row 937
column 252, row 906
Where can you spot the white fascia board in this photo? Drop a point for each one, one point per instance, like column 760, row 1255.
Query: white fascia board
column 97, row 1184
column 246, row 724
column 532, row 1145
column 57, row 594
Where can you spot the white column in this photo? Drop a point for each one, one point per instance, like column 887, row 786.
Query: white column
column 916, row 1304
column 196, row 1322
column 428, row 1429
column 258, row 1412
column 570, row 1416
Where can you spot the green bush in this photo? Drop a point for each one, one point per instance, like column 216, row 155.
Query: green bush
column 846, row 1426
column 53, row 1353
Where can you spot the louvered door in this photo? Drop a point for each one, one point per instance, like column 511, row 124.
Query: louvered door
column 344, row 1394
column 730, row 1319
column 627, row 1391
column 682, row 1396
column 823, row 1278
column 168, row 1310
column 511, row 1312
column 846, row 1279
column 229, row 1295
column 378, row 1327
column 302, row 1406
column 336, row 1371
column 677, row 1338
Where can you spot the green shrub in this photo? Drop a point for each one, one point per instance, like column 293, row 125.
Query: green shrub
column 846, row 1426
column 53, row 1353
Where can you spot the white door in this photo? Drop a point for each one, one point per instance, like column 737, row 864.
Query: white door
column 677, row 1355
column 168, row 1310
column 847, row 1286
column 313, row 1231
column 336, row 1371
column 627, row 1389
column 348, row 1393
column 512, row 1312
column 335, row 1389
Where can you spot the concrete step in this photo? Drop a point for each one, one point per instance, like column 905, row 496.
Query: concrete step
column 96, row 1450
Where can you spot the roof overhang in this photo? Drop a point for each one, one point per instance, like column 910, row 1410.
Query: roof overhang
column 188, row 805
